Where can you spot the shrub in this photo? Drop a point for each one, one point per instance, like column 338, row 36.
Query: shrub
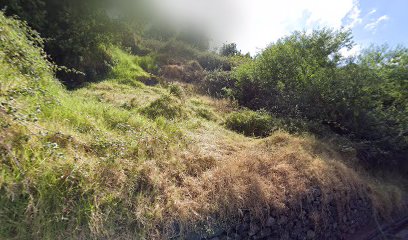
column 218, row 84
column 177, row 91
column 173, row 72
column 148, row 63
column 304, row 76
column 166, row 106
column 193, row 72
column 189, row 72
column 250, row 123
column 75, row 29
column 212, row 61
column 229, row 49
column 206, row 113
column 176, row 51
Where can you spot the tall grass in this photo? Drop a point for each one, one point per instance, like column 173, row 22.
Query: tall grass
column 131, row 161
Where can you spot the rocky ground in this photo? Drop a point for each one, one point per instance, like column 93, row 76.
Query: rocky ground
column 302, row 222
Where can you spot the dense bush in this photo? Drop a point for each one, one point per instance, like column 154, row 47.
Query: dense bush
column 250, row 123
column 212, row 61
column 304, row 76
column 175, row 51
column 193, row 72
column 74, row 30
column 16, row 50
column 219, row 84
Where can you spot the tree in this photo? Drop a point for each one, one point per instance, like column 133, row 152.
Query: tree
column 291, row 73
column 229, row 49
column 73, row 29
column 305, row 76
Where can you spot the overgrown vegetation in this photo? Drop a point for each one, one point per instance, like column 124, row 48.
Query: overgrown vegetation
column 304, row 76
column 136, row 155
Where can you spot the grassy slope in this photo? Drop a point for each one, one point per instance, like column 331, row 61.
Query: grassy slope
column 121, row 159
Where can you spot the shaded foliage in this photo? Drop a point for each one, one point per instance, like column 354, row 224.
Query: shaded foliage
column 219, row 84
column 73, row 30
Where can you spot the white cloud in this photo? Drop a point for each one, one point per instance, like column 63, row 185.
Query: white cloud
column 372, row 12
column 253, row 24
column 354, row 17
column 372, row 27
column 356, row 50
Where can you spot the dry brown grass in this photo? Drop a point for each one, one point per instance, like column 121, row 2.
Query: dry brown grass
column 172, row 72
column 272, row 175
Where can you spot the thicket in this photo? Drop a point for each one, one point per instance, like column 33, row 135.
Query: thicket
column 74, row 31
column 304, row 76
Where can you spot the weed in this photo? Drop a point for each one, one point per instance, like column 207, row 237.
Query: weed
column 251, row 123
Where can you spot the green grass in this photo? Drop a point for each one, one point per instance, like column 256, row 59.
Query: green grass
column 59, row 149
column 115, row 159
column 250, row 123
column 166, row 106
column 129, row 69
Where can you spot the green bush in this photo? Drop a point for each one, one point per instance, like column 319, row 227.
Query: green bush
column 176, row 51
column 304, row 76
column 250, row 123
column 75, row 30
column 229, row 49
column 205, row 113
column 219, row 84
column 211, row 61
column 166, row 106
column 148, row 63
column 177, row 91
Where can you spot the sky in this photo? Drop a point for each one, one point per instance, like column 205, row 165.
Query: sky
column 254, row 24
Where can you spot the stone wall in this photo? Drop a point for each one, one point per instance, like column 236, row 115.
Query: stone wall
column 314, row 218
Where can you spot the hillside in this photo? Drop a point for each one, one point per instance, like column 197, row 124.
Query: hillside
column 139, row 156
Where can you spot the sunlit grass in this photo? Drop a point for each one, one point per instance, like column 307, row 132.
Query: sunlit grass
column 118, row 159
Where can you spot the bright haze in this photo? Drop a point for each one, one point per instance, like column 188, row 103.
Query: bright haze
column 253, row 24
